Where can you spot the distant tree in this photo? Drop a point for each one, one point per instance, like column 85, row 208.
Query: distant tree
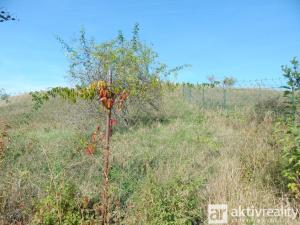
column 211, row 78
column 6, row 16
column 3, row 95
column 228, row 81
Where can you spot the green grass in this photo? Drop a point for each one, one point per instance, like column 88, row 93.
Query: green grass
column 164, row 172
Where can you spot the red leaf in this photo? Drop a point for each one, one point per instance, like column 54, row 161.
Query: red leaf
column 113, row 122
column 89, row 150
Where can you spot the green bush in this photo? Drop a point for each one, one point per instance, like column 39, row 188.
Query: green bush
column 3, row 95
column 288, row 138
column 173, row 202
column 62, row 206
column 287, row 129
column 272, row 106
column 135, row 67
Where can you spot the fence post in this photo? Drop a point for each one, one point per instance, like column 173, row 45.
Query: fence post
column 224, row 97
column 203, row 96
column 190, row 93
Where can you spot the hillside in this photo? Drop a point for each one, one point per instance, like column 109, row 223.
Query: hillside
column 164, row 172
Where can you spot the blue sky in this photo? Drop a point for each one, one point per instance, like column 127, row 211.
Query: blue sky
column 247, row 39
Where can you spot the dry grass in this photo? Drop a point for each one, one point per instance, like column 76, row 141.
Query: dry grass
column 218, row 156
column 247, row 170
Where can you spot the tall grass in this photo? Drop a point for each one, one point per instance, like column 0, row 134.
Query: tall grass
column 163, row 172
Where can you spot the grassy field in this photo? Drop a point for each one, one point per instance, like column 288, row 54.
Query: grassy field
column 164, row 172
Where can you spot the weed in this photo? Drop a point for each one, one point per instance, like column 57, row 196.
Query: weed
column 62, row 205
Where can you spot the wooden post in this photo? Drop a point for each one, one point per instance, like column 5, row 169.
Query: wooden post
column 203, row 95
column 106, row 155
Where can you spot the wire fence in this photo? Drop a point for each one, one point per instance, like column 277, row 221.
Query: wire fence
column 242, row 93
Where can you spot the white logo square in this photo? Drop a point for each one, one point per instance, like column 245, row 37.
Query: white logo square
column 217, row 214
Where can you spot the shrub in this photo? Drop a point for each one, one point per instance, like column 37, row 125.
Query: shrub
column 288, row 138
column 175, row 201
column 287, row 130
column 135, row 67
column 3, row 95
column 62, row 206
column 273, row 107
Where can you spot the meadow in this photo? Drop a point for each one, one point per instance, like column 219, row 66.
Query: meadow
column 163, row 171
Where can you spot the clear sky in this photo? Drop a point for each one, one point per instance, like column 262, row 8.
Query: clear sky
column 247, row 39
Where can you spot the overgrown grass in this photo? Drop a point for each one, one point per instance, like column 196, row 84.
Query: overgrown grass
column 163, row 171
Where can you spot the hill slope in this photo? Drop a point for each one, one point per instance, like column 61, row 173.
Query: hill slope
column 165, row 172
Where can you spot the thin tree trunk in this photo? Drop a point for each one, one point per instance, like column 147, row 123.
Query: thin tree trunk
column 106, row 155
